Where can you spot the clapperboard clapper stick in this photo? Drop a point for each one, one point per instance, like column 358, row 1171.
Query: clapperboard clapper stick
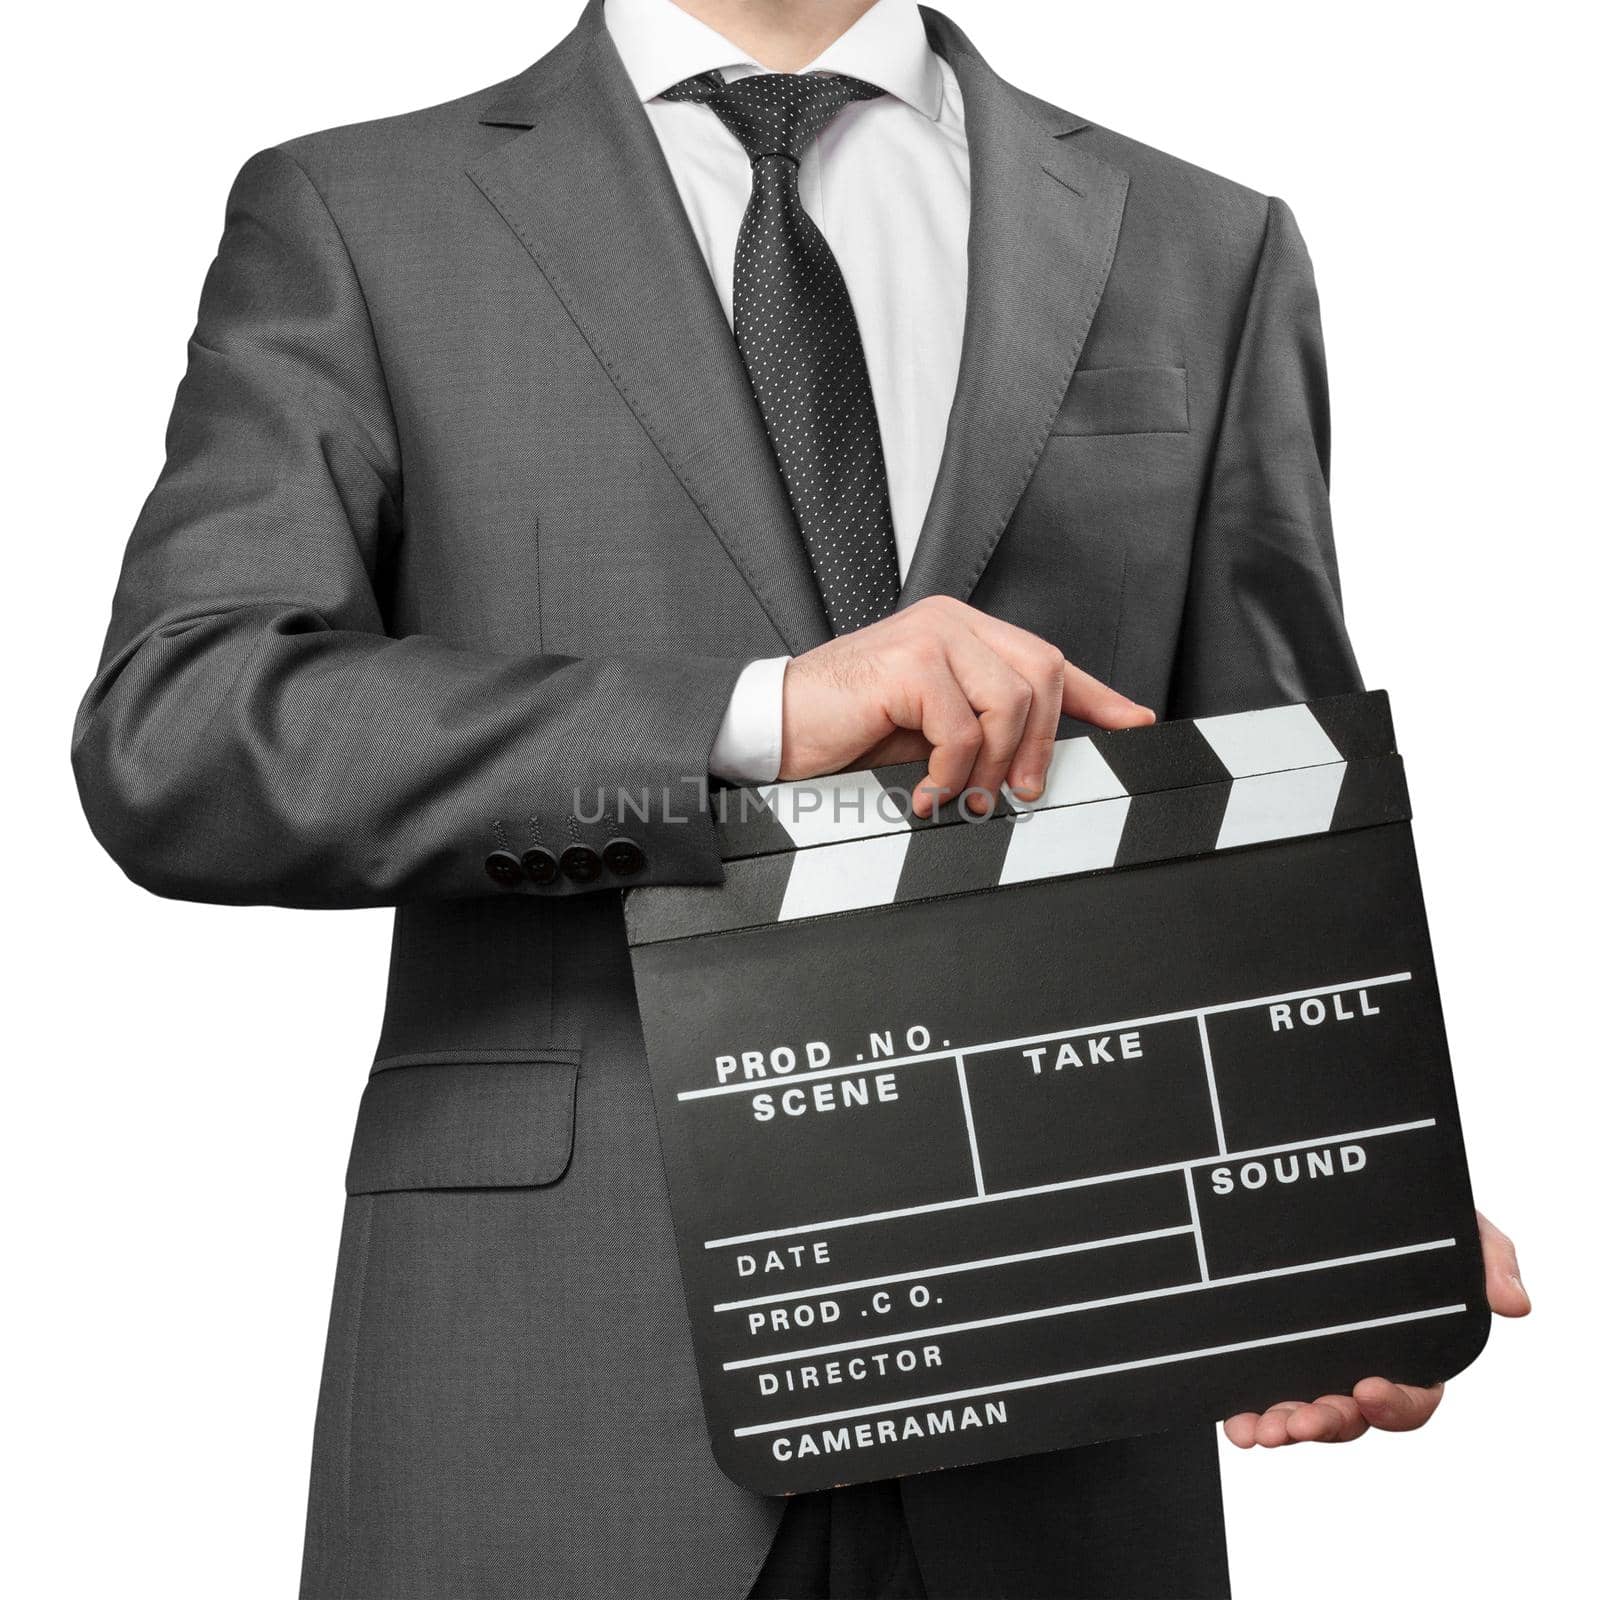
column 1125, row 1110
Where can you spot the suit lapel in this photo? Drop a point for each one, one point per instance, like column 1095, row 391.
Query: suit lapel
column 589, row 194
column 1045, row 220
column 587, row 191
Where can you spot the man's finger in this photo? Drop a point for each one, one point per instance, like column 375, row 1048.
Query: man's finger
column 1396, row 1407
column 1332, row 1419
column 1045, row 670
column 1002, row 697
column 950, row 726
column 1502, row 1277
column 1241, row 1428
column 1099, row 704
column 1082, row 697
column 1272, row 1431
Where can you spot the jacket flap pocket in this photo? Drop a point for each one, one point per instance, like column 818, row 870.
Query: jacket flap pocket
column 460, row 1119
column 1125, row 400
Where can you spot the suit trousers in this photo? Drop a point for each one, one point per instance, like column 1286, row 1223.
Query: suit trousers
column 842, row 1542
column 1132, row 1519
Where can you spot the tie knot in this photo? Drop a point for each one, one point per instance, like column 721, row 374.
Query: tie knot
column 774, row 113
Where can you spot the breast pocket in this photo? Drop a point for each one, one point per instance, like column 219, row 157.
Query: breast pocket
column 1109, row 400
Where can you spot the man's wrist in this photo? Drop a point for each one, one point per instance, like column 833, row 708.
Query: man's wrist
column 749, row 744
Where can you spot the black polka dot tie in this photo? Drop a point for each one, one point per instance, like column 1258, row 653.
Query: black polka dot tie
column 797, row 332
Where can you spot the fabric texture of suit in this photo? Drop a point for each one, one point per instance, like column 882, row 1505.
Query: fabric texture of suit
column 468, row 518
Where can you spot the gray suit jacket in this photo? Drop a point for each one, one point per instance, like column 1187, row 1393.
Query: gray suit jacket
column 467, row 510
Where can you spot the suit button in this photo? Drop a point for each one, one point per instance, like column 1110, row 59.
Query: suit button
column 623, row 857
column 540, row 865
column 504, row 868
column 580, row 863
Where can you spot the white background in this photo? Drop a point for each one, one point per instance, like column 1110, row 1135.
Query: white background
column 181, row 1080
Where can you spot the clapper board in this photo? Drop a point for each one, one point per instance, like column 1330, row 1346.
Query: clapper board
column 1121, row 1110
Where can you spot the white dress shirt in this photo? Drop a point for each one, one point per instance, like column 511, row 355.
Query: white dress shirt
column 887, row 183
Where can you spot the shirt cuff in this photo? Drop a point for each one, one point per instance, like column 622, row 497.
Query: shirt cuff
column 749, row 744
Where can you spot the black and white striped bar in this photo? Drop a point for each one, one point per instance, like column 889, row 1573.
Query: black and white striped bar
column 831, row 845
column 1127, row 1109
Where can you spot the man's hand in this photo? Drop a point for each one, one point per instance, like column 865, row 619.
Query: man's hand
column 1375, row 1402
column 976, row 698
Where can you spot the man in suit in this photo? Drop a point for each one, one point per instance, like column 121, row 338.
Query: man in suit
column 655, row 417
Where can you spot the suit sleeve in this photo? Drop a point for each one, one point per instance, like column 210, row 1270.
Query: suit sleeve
column 253, row 736
column 1263, row 621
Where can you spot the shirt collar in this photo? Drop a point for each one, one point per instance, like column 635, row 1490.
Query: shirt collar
column 661, row 44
